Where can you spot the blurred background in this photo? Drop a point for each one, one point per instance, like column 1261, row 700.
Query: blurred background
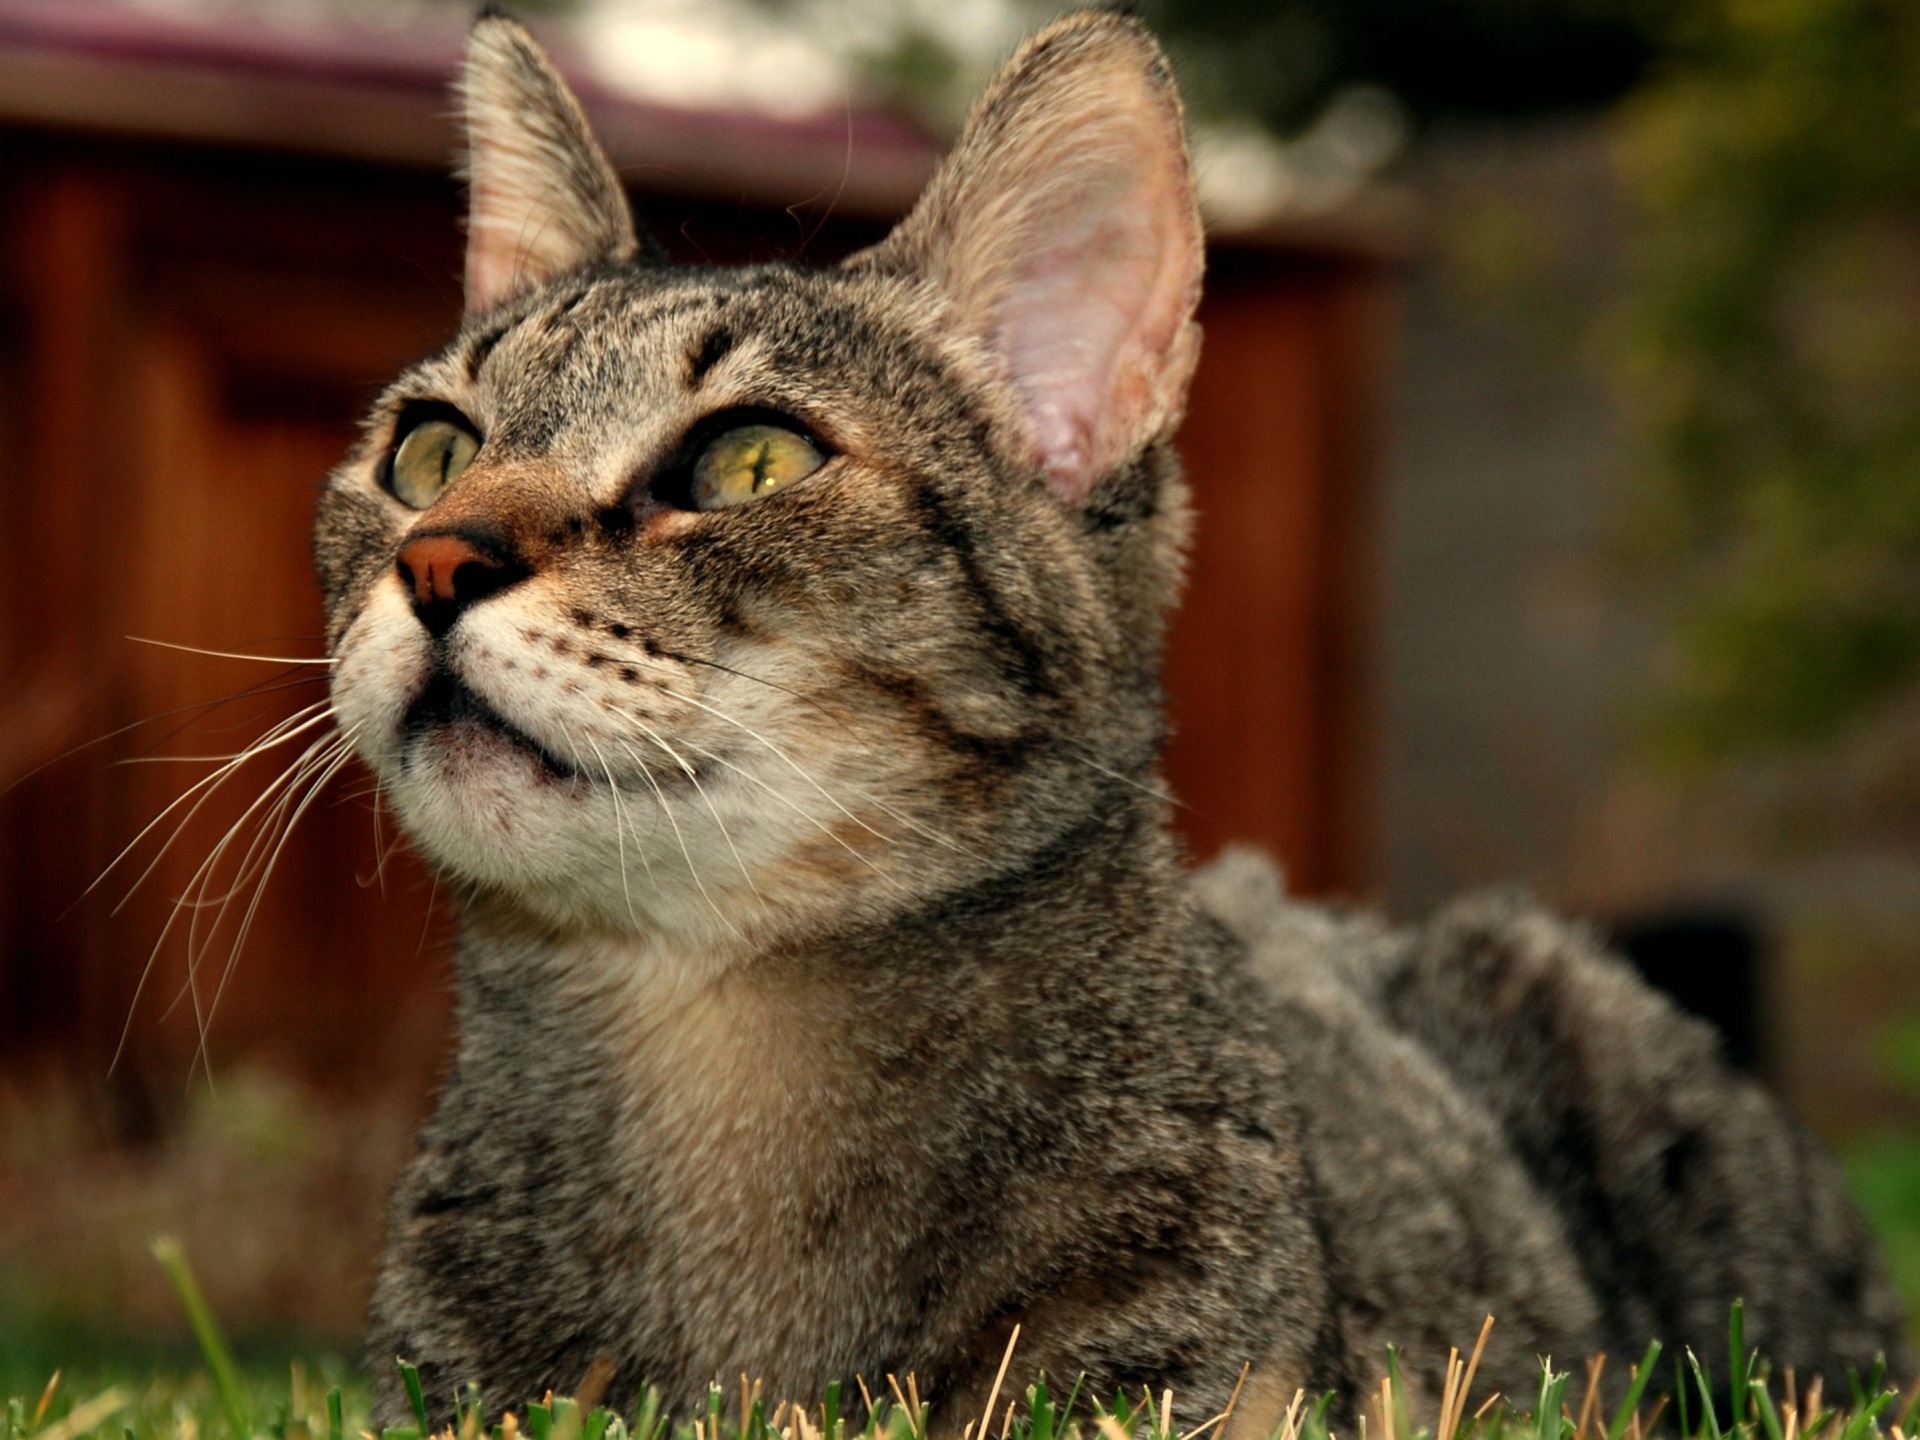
column 1556, row 443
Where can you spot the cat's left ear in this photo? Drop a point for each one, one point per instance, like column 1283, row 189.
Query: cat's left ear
column 1063, row 228
column 543, row 199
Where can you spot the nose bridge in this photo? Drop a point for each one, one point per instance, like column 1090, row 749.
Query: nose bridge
column 518, row 505
column 495, row 528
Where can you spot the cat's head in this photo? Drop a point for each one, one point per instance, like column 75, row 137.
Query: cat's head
column 721, row 602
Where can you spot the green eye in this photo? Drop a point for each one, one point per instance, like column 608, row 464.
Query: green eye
column 433, row 453
column 754, row 460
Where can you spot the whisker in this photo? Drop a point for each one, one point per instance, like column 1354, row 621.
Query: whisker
column 340, row 757
column 701, row 790
column 269, row 839
column 619, row 831
column 824, row 828
column 873, row 800
column 381, row 853
column 824, row 711
column 213, row 781
column 667, row 810
column 1131, row 783
column 580, row 766
column 778, row 753
column 236, row 654
column 265, row 687
column 296, row 724
column 275, row 798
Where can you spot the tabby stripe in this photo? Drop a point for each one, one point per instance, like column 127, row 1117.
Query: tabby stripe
column 712, row 351
column 1007, row 752
column 483, row 347
column 952, row 532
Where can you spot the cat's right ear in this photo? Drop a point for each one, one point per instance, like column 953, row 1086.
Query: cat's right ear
column 1063, row 232
column 543, row 199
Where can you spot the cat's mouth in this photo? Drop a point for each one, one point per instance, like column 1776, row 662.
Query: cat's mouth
column 446, row 705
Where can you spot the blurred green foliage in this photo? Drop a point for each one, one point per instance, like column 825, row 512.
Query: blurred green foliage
column 1772, row 347
column 1883, row 1167
column 1769, row 342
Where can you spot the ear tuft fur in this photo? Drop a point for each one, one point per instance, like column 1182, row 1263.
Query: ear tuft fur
column 543, row 198
column 1064, row 230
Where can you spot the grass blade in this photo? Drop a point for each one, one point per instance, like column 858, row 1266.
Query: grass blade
column 1740, row 1365
column 1769, row 1416
column 410, row 1377
column 1703, row 1382
column 213, row 1347
column 1642, row 1374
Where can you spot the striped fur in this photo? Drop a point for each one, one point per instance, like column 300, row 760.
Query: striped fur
column 831, row 995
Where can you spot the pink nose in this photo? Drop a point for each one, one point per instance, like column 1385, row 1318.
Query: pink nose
column 449, row 572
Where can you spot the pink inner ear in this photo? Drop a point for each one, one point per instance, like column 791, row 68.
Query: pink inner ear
column 1063, row 229
column 493, row 257
column 1081, row 316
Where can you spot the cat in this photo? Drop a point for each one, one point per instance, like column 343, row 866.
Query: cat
column 769, row 661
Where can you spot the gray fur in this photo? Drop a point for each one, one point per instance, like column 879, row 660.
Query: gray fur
column 831, row 995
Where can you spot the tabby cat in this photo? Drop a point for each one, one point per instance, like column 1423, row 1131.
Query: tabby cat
column 769, row 660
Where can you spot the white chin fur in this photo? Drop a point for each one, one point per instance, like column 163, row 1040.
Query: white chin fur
column 569, row 848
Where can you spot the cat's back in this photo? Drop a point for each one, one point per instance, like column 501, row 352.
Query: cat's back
column 1504, row 1119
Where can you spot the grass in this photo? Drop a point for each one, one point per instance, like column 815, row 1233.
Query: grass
column 216, row 1397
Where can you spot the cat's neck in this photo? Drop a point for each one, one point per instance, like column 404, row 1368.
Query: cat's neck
column 637, row 986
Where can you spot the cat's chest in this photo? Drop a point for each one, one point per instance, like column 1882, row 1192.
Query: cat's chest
column 751, row 1219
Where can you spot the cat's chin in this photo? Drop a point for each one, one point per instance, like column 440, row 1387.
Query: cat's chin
column 449, row 726
column 494, row 812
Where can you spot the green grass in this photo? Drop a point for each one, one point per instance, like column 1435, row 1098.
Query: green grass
column 216, row 1396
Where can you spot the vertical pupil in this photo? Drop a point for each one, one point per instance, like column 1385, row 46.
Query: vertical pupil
column 762, row 458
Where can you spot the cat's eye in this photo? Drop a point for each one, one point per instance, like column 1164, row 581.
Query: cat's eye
column 750, row 461
column 433, row 453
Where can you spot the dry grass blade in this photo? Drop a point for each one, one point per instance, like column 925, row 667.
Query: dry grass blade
column 593, row 1385
column 1296, row 1416
column 1596, row 1365
column 993, row 1395
column 1221, row 1419
column 87, row 1416
column 911, row 1412
column 1450, row 1416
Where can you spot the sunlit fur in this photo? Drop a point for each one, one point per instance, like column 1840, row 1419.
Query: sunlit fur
column 831, row 996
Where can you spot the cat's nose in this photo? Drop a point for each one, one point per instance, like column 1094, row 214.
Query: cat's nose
column 447, row 571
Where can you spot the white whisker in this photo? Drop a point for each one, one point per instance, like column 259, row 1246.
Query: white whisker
column 619, row 831
column 292, row 768
column 339, row 759
column 701, row 790
column 667, row 810
column 236, row 654
column 778, row 753
column 282, row 732
column 815, row 820
column 1161, row 795
column 275, row 798
column 269, row 839
column 873, row 800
